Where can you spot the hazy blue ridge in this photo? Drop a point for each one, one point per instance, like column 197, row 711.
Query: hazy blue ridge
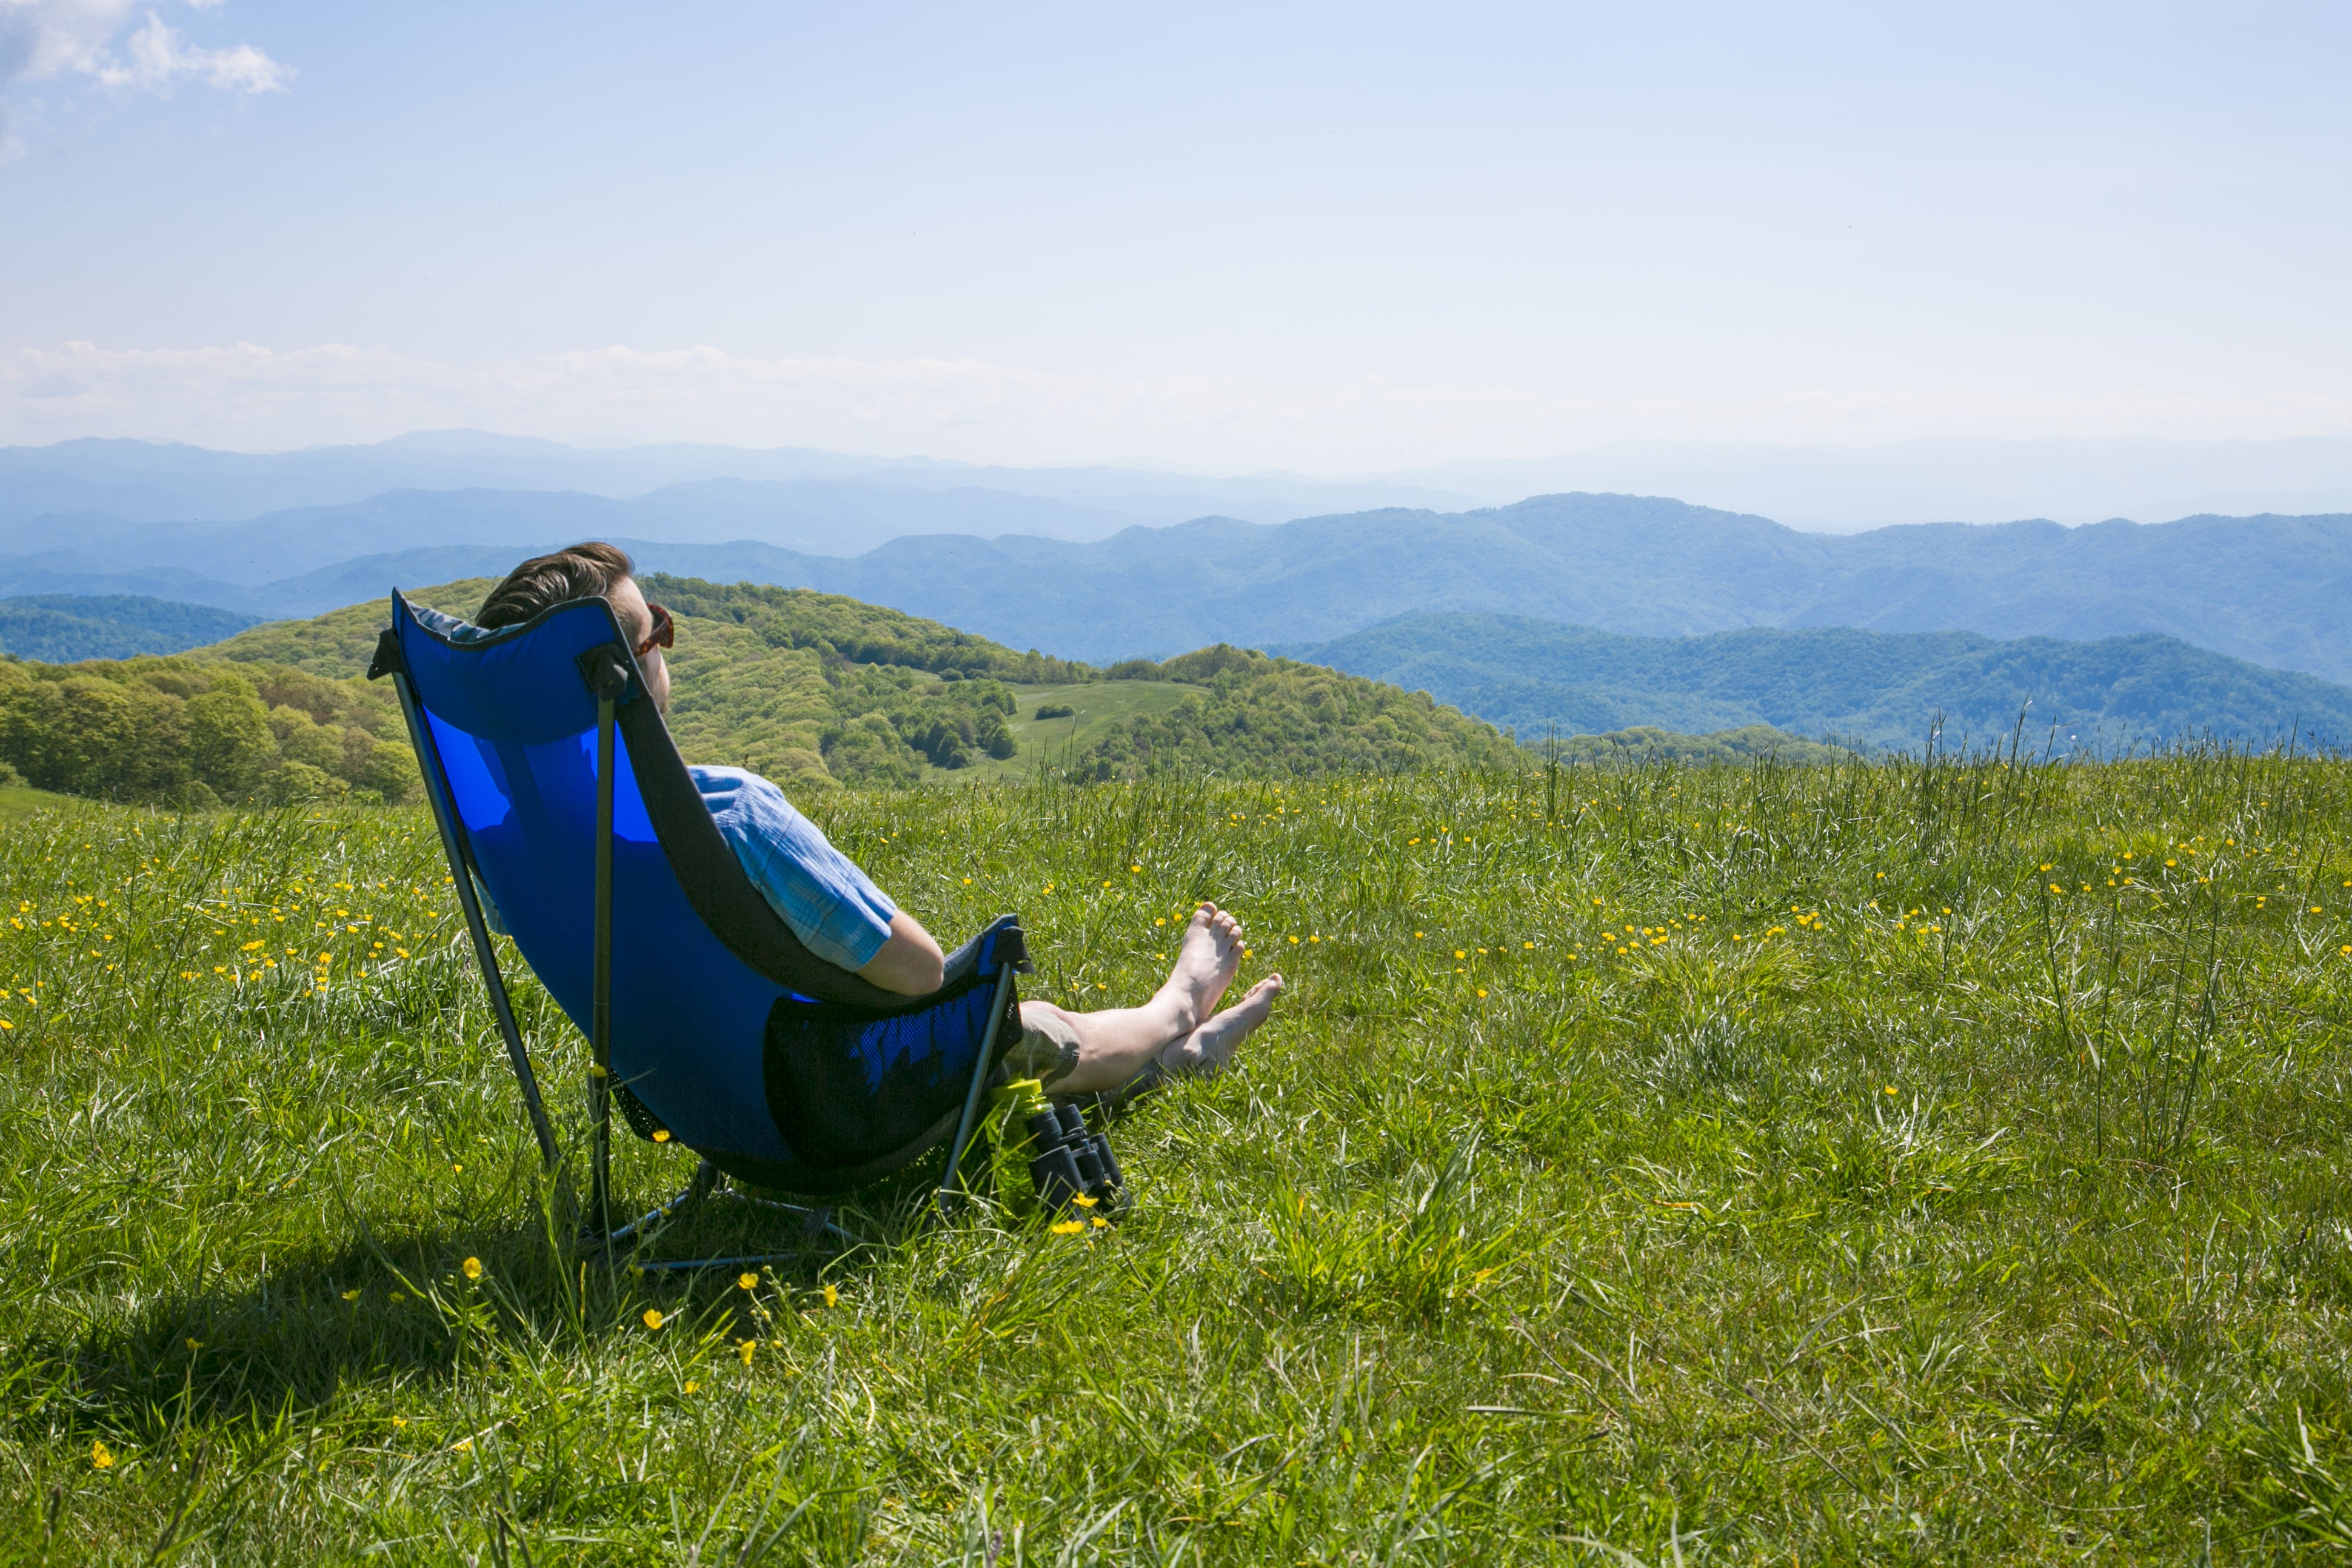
column 141, row 481
column 350, row 581
column 2267, row 590
column 64, row 629
column 1879, row 689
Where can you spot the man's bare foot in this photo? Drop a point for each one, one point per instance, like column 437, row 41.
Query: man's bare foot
column 1209, row 1048
column 1205, row 966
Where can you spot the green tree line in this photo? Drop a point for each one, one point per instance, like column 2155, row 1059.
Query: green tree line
column 199, row 732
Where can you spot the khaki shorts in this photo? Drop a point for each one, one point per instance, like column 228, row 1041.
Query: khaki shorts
column 1047, row 1049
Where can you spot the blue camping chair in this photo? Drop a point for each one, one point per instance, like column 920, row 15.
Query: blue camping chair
column 558, row 791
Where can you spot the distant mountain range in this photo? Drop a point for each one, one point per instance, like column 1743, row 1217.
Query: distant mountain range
column 818, row 517
column 2263, row 589
column 2268, row 590
column 1597, row 611
column 1837, row 490
column 64, row 629
column 142, row 481
column 1879, row 689
column 1824, row 488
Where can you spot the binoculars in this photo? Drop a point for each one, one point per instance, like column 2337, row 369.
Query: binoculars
column 1070, row 1161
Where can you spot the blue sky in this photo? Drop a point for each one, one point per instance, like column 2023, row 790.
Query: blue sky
column 1330, row 239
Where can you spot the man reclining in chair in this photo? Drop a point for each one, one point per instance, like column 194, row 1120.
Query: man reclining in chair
column 841, row 917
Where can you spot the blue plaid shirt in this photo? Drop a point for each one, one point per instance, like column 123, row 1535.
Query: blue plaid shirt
column 831, row 905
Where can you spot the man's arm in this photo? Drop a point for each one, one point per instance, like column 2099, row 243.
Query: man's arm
column 909, row 962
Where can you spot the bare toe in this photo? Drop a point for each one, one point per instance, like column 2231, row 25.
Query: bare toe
column 1209, row 1048
column 1205, row 966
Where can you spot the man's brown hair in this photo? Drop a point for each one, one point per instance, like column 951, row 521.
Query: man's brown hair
column 577, row 571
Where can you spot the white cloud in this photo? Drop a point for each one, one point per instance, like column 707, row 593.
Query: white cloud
column 51, row 38
column 44, row 39
column 158, row 54
column 256, row 398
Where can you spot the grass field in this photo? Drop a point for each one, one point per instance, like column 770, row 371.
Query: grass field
column 1045, row 742
column 1888, row 1163
column 17, row 801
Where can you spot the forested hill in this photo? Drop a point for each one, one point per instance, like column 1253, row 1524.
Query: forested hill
column 340, row 642
column 63, row 628
column 811, row 689
column 1878, row 688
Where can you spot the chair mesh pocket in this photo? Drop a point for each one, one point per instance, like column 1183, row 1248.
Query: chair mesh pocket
column 641, row 1121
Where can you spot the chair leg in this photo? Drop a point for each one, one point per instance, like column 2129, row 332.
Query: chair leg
column 979, row 1077
column 461, row 879
column 706, row 1177
column 815, row 1222
column 600, row 1026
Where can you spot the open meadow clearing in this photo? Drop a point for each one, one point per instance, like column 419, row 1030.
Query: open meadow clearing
column 1894, row 1163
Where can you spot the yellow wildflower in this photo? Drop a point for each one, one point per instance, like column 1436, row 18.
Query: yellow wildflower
column 473, row 1267
column 746, row 1282
column 653, row 1318
column 1068, row 1228
column 98, row 1458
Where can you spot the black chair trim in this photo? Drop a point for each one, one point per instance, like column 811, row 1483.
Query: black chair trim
column 713, row 879
column 715, row 883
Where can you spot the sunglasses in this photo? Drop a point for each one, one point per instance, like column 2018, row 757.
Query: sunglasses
column 663, row 635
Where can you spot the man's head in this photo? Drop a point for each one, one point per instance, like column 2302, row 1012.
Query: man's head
column 592, row 571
